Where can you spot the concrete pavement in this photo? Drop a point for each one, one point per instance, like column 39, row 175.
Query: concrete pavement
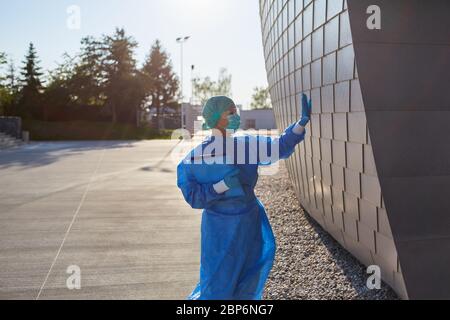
column 112, row 208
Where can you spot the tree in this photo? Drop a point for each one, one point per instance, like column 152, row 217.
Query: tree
column 100, row 83
column 11, row 78
column 85, row 74
column 30, row 95
column 123, row 89
column 261, row 99
column 206, row 88
column 2, row 62
column 9, row 91
column 160, row 82
column 58, row 93
column 3, row 90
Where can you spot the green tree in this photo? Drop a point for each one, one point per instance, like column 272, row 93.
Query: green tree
column 206, row 88
column 9, row 91
column 3, row 90
column 159, row 80
column 261, row 98
column 123, row 88
column 30, row 104
column 58, row 93
column 2, row 62
column 98, row 83
column 85, row 74
column 12, row 82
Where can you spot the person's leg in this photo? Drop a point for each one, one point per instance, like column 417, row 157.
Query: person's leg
column 227, row 241
column 259, row 261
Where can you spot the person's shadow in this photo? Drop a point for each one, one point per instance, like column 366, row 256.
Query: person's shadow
column 36, row 154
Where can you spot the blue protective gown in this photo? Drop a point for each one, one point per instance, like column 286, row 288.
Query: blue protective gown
column 237, row 242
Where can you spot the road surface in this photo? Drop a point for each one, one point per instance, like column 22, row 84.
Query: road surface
column 110, row 208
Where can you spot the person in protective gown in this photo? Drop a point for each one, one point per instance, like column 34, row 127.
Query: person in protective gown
column 219, row 176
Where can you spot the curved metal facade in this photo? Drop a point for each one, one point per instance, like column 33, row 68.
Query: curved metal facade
column 375, row 209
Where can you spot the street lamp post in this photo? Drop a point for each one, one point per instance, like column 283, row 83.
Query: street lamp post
column 192, row 84
column 181, row 41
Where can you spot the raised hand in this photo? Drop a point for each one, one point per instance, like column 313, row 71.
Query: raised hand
column 306, row 110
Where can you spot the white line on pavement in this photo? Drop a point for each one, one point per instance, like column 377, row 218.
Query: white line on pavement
column 73, row 220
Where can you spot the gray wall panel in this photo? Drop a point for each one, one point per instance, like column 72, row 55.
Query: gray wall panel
column 404, row 76
column 411, row 143
column 413, row 21
column 418, row 207
column 430, row 257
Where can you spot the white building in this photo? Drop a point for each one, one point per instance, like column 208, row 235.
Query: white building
column 191, row 117
column 257, row 119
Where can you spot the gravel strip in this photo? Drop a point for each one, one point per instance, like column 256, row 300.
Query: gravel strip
column 309, row 263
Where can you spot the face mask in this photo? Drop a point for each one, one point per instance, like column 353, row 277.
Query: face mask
column 234, row 121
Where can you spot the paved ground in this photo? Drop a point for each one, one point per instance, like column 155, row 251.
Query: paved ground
column 111, row 208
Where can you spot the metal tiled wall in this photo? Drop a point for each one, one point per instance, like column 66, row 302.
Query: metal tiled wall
column 308, row 48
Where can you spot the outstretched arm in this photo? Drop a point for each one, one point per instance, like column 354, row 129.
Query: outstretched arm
column 293, row 135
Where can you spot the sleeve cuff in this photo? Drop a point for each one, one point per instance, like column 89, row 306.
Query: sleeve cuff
column 298, row 129
column 220, row 187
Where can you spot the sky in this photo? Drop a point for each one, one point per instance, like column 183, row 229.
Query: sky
column 224, row 34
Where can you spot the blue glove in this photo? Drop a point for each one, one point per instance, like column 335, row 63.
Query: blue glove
column 306, row 111
column 232, row 179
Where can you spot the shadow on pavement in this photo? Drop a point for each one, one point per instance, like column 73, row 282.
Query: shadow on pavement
column 37, row 154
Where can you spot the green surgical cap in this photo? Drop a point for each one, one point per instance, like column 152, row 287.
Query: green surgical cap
column 213, row 110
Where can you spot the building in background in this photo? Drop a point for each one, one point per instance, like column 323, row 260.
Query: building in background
column 169, row 118
column 257, row 119
column 191, row 116
column 374, row 167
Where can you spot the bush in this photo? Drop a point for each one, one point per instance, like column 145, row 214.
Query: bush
column 86, row 130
